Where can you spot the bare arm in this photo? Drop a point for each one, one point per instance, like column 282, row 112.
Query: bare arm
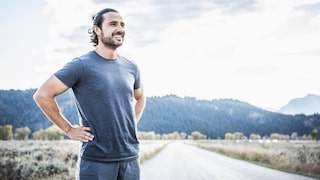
column 45, row 99
column 141, row 102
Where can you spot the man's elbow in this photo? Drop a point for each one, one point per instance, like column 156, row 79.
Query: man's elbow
column 39, row 97
column 36, row 97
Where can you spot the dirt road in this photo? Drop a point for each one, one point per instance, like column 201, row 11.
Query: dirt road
column 179, row 161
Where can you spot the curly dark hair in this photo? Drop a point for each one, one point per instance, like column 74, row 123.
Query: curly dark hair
column 97, row 21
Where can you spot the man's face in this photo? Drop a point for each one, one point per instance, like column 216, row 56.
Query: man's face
column 112, row 30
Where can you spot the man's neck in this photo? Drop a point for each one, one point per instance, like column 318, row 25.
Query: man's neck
column 105, row 52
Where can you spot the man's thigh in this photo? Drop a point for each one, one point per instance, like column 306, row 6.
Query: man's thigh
column 92, row 170
column 127, row 170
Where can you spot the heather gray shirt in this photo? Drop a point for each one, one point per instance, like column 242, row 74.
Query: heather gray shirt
column 103, row 92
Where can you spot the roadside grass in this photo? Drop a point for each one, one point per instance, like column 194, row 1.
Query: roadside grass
column 299, row 157
column 51, row 159
column 150, row 148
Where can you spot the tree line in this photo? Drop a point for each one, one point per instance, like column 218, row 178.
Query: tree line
column 217, row 117
column 54, row 133
column 51, row 133
column 167, row 114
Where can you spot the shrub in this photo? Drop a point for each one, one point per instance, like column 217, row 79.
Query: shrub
column 196, row 135
column 22, row 133
column 6, row 132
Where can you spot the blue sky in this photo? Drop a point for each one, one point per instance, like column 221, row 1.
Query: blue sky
column 264, row 52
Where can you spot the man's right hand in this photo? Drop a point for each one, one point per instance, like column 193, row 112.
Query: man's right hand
column 81, row 133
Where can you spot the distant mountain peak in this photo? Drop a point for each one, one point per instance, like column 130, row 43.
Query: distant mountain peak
column 308, row 105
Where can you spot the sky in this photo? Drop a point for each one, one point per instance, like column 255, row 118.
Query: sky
column 263, row 52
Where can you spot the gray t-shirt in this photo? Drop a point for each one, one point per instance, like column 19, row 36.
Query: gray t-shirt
column 103, row 92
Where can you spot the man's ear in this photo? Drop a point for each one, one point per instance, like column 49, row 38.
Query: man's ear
column 97, row 30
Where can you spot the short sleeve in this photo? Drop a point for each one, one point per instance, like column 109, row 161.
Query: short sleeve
column 71, row 73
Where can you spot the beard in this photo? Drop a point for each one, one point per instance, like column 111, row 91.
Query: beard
column 110, row 41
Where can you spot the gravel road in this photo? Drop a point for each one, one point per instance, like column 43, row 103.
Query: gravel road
column 179, row 161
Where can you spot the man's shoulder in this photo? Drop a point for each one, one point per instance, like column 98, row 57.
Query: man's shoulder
column 126, row 60
column 86, row 56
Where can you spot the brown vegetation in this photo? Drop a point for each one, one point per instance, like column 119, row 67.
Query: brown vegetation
column 50, row 159
column 38, row 159
column 57, row 159
column 300, row 157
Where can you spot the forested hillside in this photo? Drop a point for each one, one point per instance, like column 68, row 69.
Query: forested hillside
column 167, row 114
column 216, row 117
column 18, row 109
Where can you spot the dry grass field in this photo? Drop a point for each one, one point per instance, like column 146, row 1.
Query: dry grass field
column 50, row 159
column 300, row 157
column 57, row 159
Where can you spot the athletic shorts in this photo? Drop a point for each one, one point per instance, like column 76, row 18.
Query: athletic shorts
column 123, row 170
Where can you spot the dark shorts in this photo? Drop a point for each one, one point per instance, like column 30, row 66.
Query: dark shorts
column 124, row 170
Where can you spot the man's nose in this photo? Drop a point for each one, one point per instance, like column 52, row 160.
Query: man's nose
column 120, row 30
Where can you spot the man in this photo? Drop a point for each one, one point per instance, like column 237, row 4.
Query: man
column 109, row 98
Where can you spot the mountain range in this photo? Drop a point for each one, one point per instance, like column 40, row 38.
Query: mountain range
column 308, row 105
column 167, row 114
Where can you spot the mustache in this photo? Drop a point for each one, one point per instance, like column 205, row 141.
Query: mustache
column 121, row 33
